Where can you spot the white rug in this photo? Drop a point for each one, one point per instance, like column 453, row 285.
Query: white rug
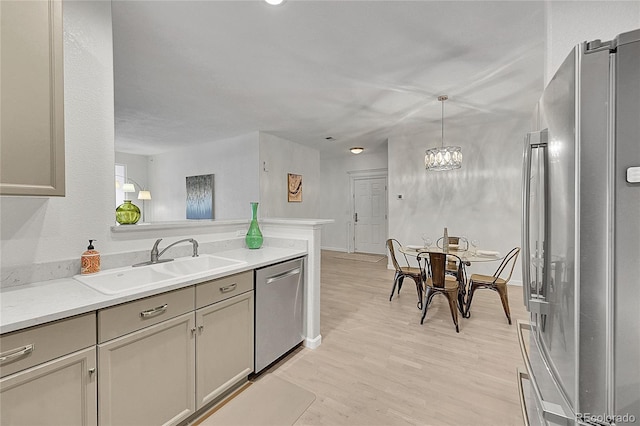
column 270, row 401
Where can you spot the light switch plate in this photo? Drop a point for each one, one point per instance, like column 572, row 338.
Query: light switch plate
column 633, row 175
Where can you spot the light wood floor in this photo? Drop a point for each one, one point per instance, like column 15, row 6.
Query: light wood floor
column 378, row 366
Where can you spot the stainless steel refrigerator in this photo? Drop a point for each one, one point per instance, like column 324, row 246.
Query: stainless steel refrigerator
column 581, row 241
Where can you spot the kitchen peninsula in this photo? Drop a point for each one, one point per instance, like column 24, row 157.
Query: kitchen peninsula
column 66, row 312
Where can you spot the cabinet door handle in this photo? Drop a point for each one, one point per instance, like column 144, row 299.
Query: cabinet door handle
column 15, row 353
column 154, row 311
column 228, row 288
column 91, row 371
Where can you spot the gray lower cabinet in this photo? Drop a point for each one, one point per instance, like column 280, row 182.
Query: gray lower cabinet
column 224, row 346
column 163, row 357
column 49, row 374
column 148, row 377
column 59, row 392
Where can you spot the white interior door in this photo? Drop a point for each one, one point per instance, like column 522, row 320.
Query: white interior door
column 370, row 215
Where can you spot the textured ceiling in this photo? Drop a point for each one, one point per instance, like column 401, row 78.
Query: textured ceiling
column 189, row 72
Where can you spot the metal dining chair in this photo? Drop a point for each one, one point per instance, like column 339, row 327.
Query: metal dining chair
column 439, row 282
column 404, row 270
column 495, row 282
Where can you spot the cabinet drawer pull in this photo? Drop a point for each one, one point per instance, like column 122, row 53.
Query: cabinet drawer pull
column 228, row 288
column 154, row 311
column 15, row 353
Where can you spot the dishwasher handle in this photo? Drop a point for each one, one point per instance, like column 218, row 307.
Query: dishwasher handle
column 283, row 275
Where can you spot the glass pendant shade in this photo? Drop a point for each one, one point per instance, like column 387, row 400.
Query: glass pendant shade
column 443, row 158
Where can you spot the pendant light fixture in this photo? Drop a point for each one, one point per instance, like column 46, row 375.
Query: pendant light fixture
column 443, row 157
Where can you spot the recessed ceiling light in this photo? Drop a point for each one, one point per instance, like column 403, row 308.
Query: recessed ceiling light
column 330, row 138
column 356, row 150
column 274, row 2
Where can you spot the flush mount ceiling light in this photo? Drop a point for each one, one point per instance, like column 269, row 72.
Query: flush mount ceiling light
column 443, row 157
column 356, row 150
column 274, row 2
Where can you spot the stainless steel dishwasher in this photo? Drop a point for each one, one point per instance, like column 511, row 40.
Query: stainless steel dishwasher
column 278, row 316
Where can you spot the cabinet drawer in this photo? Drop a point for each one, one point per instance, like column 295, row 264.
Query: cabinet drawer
column 223, row 288
column 122, row 319
column 26, row 348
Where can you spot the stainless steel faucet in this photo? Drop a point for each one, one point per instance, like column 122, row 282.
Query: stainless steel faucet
column 155, row 255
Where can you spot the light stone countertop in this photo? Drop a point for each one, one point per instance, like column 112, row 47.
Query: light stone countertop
column 38, row 303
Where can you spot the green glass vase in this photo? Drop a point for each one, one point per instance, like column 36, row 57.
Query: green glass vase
column 254, row 236
column 127, row 213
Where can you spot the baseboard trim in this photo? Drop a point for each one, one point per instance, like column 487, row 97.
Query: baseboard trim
column 313, row 343
column 340, row 249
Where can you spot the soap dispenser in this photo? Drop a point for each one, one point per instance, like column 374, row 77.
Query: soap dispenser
column 90, row 260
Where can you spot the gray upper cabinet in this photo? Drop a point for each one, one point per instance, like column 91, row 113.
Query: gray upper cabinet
column 32, row 104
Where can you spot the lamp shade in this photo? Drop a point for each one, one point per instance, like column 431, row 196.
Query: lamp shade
column 443, row 158
column 128, row 187
column 144, row 195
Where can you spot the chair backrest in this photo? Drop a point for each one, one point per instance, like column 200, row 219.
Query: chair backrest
column 510, row 258
column 392, row 243
column 437, row 268
column 436, row 265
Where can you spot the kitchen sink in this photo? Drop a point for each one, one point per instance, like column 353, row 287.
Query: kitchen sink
column 195, row 265
column 115, row 281
column 124, row 279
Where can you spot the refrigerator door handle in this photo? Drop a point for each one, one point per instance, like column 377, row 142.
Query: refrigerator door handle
column 532, row 140
column 526, row 194
column 550, row 411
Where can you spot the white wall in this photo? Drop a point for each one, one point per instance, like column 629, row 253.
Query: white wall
column 234, row 164
column 46, row 229
column 278, row 157
column 335, row 194
column 572, row 22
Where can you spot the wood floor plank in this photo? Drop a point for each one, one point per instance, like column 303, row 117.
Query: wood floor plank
column 378, row 366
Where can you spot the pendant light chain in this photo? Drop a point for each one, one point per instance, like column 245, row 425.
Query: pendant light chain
column 442, row 122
